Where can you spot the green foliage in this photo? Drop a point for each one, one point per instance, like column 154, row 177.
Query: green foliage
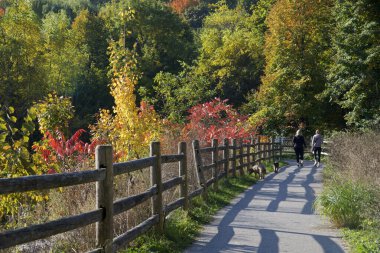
column 180, row 228
column 54, row 113
column 70, row 7
column 196, row 14
column 65, row 55
column 355, row 72
column 175, row 94
column 93, row 84
column 22, row 78
column 297, row 53
column 344, row 202
column 363, row 241
column 14, row 143
column 159, row 36
column 15, row 159
column 230, row 54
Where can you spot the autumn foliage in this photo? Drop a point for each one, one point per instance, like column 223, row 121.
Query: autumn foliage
column 216, row 120
column 63, row 155
column 129, row 128
column 180, row 6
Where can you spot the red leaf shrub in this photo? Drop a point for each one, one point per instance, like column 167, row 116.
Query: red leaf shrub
column 66, row 154
column 216, row 120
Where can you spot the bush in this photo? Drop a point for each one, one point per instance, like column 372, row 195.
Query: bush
column 345, row 203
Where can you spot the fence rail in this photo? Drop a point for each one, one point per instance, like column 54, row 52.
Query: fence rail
column 226, row 160
column 287, row 146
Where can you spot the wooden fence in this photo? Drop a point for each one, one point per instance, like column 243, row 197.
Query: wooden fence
column 235, row 158
column 288, row 148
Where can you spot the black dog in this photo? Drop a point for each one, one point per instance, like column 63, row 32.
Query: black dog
column 276, row 166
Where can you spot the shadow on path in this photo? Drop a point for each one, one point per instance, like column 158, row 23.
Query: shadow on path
column 282, row 191
column 327, row 244
column 225, row 231
column 310, row 193
column 270, row 238
column 269, row 241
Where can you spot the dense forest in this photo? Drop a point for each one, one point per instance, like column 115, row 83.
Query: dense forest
column 129, row 71
column 280, row 62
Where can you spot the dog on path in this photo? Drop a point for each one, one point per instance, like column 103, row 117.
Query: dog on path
column 276, row 166
column 259, row 170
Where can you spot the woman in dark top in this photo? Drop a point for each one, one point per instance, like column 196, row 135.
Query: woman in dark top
column 299, row 145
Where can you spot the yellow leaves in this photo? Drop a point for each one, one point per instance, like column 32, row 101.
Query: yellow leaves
column 130, row 129
column 5, row 148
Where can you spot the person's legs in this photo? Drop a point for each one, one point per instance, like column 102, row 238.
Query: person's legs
column 315, row 156
column 319, row 150
column 296, row 150
column 301, row 156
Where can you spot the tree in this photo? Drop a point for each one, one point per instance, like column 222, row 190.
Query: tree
column 65, row 56
column 355, row 73
column 297, row 53
column 161, row 38
column 175, row 94
column 132, row 128
column 91, row 90
column 230, row 53
column 22, row 78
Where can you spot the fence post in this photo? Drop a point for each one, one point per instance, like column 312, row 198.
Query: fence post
column 260, row 154
column 280, row 147
column 255, row 151
column 183, row 192
column 272, row 148
column 215, row 170
column 234, row 157
column 226, row 155
column 249, row 154
column 199, row 166
column 241, row 160
column 104, row 198
column 265, row 147
column 156, row 179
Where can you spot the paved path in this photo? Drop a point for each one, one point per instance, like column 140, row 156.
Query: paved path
column 274, row 215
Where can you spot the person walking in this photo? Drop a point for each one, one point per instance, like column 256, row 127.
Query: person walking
column 299, row 144
column 316, row 144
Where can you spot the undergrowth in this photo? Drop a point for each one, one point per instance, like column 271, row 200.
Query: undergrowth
column 181, row 227
column 351, row 196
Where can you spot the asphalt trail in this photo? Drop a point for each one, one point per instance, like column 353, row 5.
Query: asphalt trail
column 274, row 215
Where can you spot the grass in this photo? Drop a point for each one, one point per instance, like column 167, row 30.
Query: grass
column 351, row 195
column 182, row 227
column 344, row 202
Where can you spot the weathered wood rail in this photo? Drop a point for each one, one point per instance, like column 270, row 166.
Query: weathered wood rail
column 235, row 157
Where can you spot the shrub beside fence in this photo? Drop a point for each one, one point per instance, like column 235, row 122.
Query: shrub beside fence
column 226, row 160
